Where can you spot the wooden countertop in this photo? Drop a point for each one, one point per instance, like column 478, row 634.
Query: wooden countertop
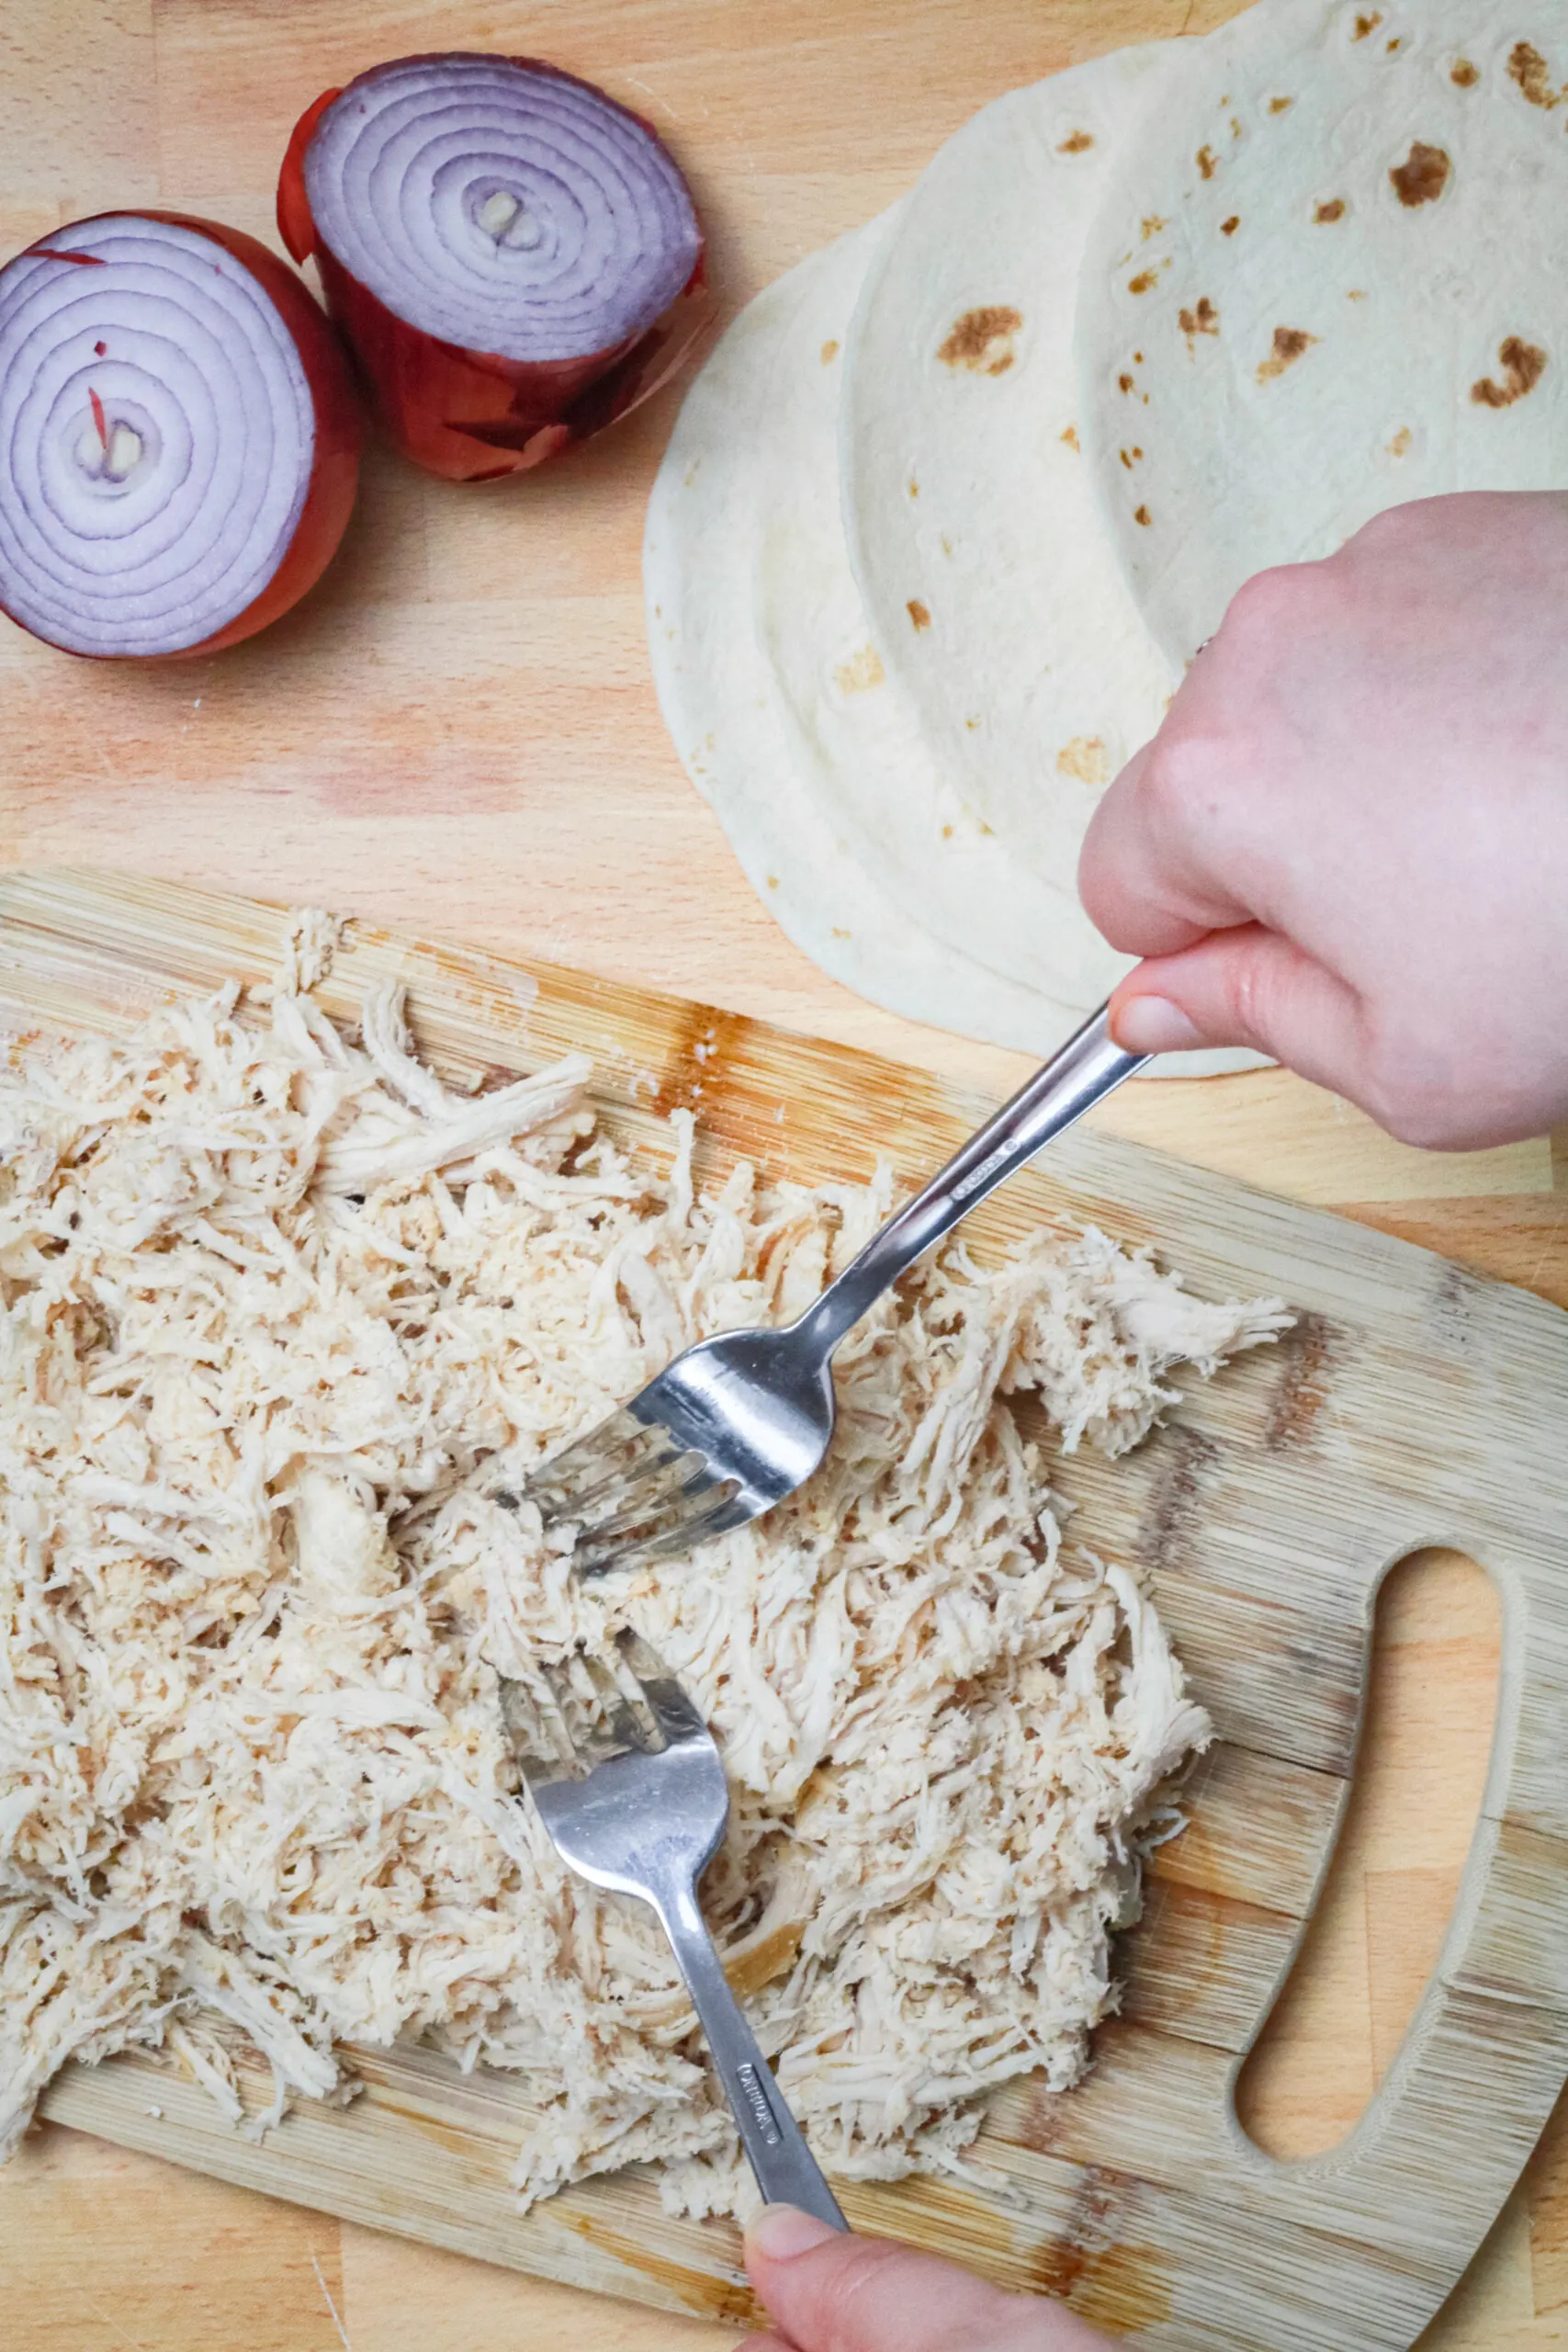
column 457, row 732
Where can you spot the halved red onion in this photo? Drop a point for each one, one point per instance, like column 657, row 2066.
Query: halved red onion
column 179, row 436
column 515, row 258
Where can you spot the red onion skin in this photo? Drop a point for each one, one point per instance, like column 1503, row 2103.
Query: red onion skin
column 340, row 434
column 473, row 415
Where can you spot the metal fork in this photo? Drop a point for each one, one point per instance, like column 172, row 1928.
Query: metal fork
column 646, row 1816
column 740, row 1421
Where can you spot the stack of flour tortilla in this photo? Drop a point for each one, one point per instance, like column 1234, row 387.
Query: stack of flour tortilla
column 954, row 502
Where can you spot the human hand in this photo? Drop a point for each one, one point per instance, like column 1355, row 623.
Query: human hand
column 1348, row 845
column 827, row 2292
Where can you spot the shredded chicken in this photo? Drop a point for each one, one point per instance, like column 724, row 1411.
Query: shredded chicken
column 282, row 1313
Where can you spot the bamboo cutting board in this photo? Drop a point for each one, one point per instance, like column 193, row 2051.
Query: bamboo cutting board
column 1413, row 1403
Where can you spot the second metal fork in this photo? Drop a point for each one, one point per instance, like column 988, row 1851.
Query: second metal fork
column 646, row 1815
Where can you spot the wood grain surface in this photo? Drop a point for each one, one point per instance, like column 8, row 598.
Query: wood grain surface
column 457, row 733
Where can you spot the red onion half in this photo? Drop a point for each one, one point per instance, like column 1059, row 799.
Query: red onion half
column 179, row 436
column 515, row 258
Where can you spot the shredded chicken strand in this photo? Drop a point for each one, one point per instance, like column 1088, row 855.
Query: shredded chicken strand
column 281, row 1313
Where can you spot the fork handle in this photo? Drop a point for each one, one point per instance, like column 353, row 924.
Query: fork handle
column 788, row 2173
column 1086, row 1069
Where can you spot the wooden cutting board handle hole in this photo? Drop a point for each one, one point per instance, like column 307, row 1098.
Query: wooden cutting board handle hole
column 1384, row 1906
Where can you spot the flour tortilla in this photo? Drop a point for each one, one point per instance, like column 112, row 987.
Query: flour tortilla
column 773, row 691
column 1370, row 198
column 739, row 540
column 967, row 502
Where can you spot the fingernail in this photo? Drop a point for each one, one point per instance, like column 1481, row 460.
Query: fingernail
column 1152, row 1024
column 781, row 2231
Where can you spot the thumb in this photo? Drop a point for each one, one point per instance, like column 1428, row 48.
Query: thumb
column 1246, row 987
column 830, row 2292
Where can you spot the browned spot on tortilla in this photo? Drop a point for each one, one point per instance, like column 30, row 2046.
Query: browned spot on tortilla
column 1288, row 344
column 1277, row 105
column 947, row 829
column 841, row 935
column 1464, row 74
column 1368, row 24
column 1142, row 283
column 1228, row 228
column 1087, row 758
column 1152, row 226
column 772, row 881
column 1423, row 175
column 720, row 2298
column 1527, row 68
column 914, row 487
column 861, row 670
column 1141, row 515
column 1332, row 210
column 1137, row 358
column 1401, row 442
column 1357, row 294
column 1126, row 458
column 1398, row 42
column 1207, row 167
column 1301, row 1392
column 981, row 340
column 1203, row 320
column 918, row 613
column 1124, row 383
column 1076, row 142
column 830, row 352
column 1524, row 364
column 1071, row 436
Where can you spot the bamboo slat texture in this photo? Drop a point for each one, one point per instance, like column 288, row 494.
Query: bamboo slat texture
column 1413, row 1403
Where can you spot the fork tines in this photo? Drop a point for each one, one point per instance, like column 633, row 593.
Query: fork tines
column 593, row 1717
column 635, row 1493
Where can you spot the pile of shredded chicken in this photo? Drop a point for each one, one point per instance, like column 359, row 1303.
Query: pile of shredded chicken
column 280, row 1313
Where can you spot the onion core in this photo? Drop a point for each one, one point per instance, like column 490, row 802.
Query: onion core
column 179, row 436
column 513, row 256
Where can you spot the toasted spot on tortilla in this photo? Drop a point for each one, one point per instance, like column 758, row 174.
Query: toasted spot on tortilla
column 1277, row 105
column 1398, row 42
column 1076, row 142
column 947, row 829
column 914, row 487
column 830, row 351
column 1141, row 515
column 841, row 935
column 1401, row 442
column 1423, row 175
column 1125, row 382
column 1137, row 358
column 1333, row 209
column 772, row 881
column 982, row 340
column 1464, row 74
column 1152, row 226
column 1087, row 758
column 1204, row 160
column 1071, row 436
column 1357, row 294
column 1288, row 344
column 919, row 614
column 1368, row 24
column 1228, row 228
column 1527, row 68
column 1523, row 365
column 861, row 670
column 1144, row 280
column 1203, row 320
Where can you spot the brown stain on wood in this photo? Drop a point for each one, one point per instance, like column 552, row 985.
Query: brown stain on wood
column 1302, row 1388
column 725, row 2299
column 1187, row 1460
